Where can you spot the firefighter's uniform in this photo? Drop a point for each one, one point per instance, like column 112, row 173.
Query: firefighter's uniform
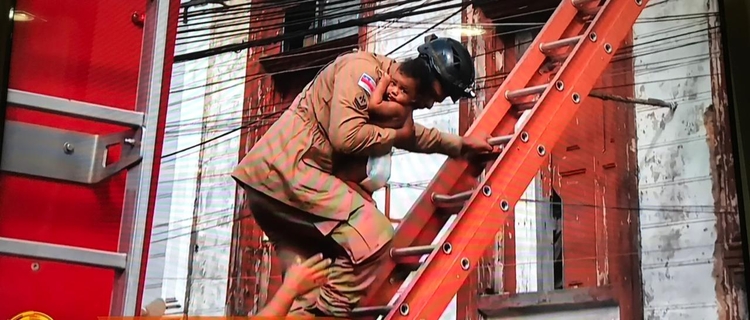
column 301, row 206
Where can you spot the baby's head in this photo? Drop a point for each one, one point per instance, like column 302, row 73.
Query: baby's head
column 412, row 79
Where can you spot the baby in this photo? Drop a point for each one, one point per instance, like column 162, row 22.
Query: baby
column 389, row 106
column 391, row 100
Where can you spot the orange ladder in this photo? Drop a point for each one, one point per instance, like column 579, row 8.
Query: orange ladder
column 526, row 116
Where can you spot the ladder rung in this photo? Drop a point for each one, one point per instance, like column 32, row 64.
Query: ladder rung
column 525, row 106
column 410, row 265
column 525, row 92
column 580, row 2
column 458, row 197
column 370, row 311
column 560, row 43
column 411, row 251
column 496, row 141
column 63, row 253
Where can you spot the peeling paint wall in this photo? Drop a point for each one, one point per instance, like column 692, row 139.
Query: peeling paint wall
column 214, row 205
column 191, row 238
column 383, row 38
column 678, row 217
column 166, row 273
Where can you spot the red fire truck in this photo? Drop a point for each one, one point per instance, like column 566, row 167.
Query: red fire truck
column 87, row 91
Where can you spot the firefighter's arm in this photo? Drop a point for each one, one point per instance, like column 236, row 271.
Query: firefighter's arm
column 348, row 129
column 431, row 140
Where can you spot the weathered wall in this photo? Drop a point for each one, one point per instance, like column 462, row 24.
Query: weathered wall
column 686, row 208
column 213, row 211
column 191, row 237
column 251, row 257
column 169, row 252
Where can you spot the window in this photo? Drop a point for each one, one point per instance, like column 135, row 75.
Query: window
column 311, row 15
column 557, row 239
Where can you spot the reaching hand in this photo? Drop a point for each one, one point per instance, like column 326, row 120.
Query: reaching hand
column 473, row 145
column 303, row 277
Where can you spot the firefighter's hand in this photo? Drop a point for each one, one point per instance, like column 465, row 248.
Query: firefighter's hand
column 303, row 277
column 475, row 145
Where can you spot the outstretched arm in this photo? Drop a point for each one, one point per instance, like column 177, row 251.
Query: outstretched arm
column 431, row 140
column 300, row 279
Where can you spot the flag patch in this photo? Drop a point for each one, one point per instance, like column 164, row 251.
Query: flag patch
column 367, row 83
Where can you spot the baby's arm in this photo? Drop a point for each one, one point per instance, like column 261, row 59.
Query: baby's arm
column 376, row 104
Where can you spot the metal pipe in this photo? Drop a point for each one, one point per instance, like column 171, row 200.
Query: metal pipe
column 73, row 108
column 525, row 92
column 649, row 101
column 63, row 253
column 496, row 141
column 411, row 251
column 579, row 2
column 370, row 311
column 461, row 196
column 560, row 43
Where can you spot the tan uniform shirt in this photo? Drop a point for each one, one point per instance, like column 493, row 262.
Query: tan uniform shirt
column 292, row 162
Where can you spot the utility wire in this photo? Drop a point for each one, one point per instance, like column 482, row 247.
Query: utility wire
column 326, row 14
column 625, row 50
column 427, row 30
column 345, row 24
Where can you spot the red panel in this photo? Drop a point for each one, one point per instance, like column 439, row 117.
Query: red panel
column 82, row 50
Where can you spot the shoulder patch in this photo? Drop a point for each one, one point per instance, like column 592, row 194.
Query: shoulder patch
column 367, row 83
column 360, row 102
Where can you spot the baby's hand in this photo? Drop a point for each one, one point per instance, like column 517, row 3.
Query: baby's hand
column 303, row 277
column 386, row 77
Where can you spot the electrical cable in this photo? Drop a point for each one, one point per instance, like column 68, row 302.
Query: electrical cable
column 678, row 64
column 349, row 23
column 334, row 12
column 682, row 17
column 427, row 30
column 671, row 17
column 309, row 67
column 286, row 24
column 624, row 49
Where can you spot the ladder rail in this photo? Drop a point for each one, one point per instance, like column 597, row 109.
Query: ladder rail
column 444, row 273
column 423, row 222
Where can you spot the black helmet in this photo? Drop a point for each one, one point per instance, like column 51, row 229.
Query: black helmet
column 452, row 63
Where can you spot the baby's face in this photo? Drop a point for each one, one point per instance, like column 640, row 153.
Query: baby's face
column 402, row 89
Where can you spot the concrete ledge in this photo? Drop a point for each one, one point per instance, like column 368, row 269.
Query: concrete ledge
column 543, row 302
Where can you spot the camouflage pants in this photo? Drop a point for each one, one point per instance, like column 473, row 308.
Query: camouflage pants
column 296, row 236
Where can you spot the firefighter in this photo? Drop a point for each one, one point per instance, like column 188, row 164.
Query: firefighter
column 287, row 175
